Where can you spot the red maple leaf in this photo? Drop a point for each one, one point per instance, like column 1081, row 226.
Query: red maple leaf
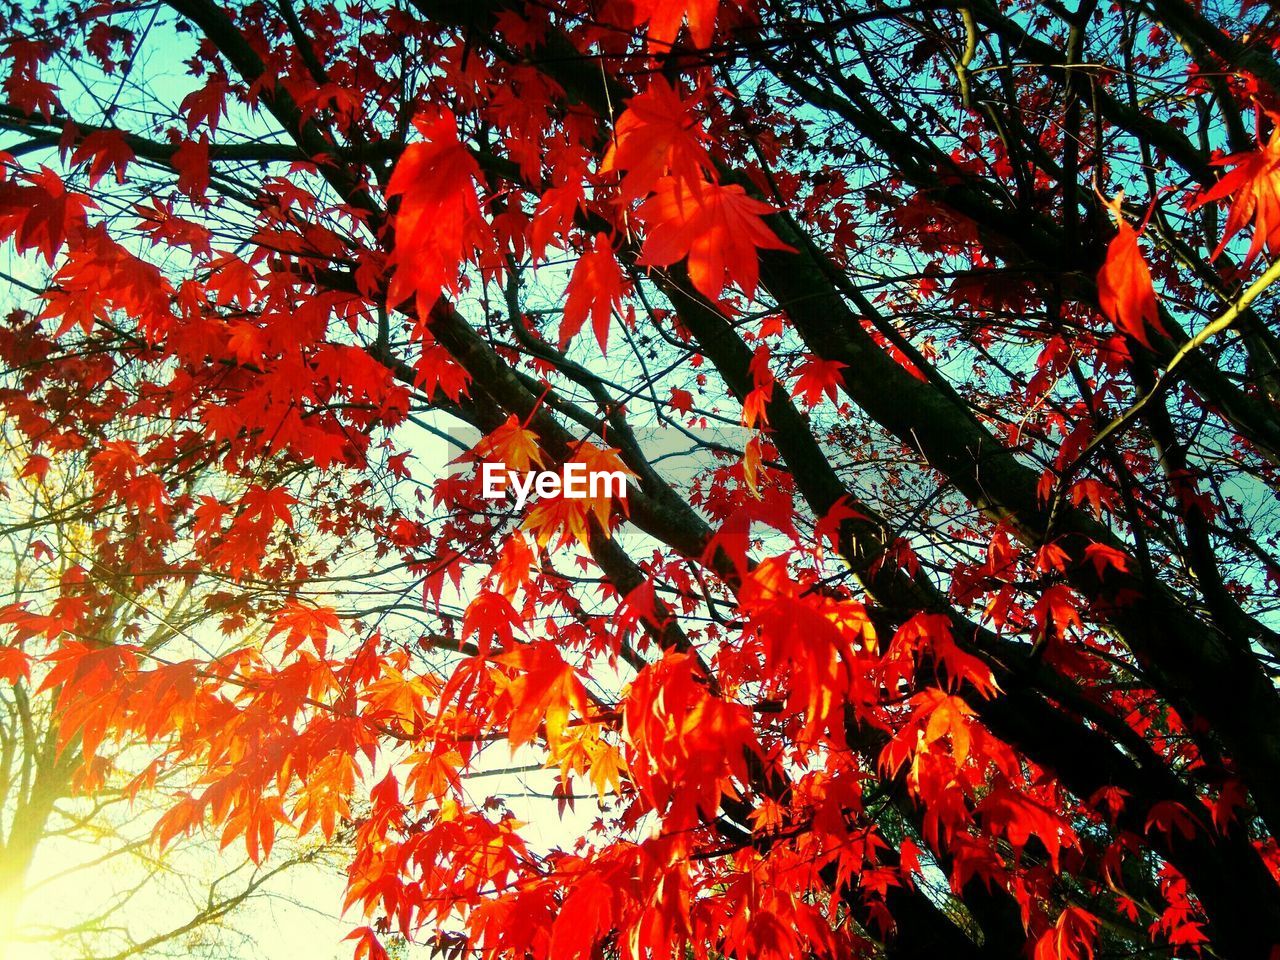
column 815, row 377
column 595, row 290
column 665, row 18
column 657, row 134
column 104, row 149
column 585, row 915
column 491, row 618
column 1254, row 186
column 717, row 227
column 40, row 213
column 1071, row 938
column 438, row 219
column 1125, row 292
column 206, row 104
column 191, row 160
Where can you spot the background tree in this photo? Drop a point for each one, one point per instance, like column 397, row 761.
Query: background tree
column 79, row 876
column 961, row 640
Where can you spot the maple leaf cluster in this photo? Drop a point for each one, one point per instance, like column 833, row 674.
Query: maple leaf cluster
column 938, row 615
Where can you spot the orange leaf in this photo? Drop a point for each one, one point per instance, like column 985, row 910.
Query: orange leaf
column 512, row 445
column 368, row 946
column 545, row 690
column 300, row 623
column 14, row 665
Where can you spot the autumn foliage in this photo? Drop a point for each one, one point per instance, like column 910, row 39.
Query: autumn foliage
column 958, row 638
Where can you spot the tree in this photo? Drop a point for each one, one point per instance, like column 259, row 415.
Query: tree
column 961, row 641
column 75, row 814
